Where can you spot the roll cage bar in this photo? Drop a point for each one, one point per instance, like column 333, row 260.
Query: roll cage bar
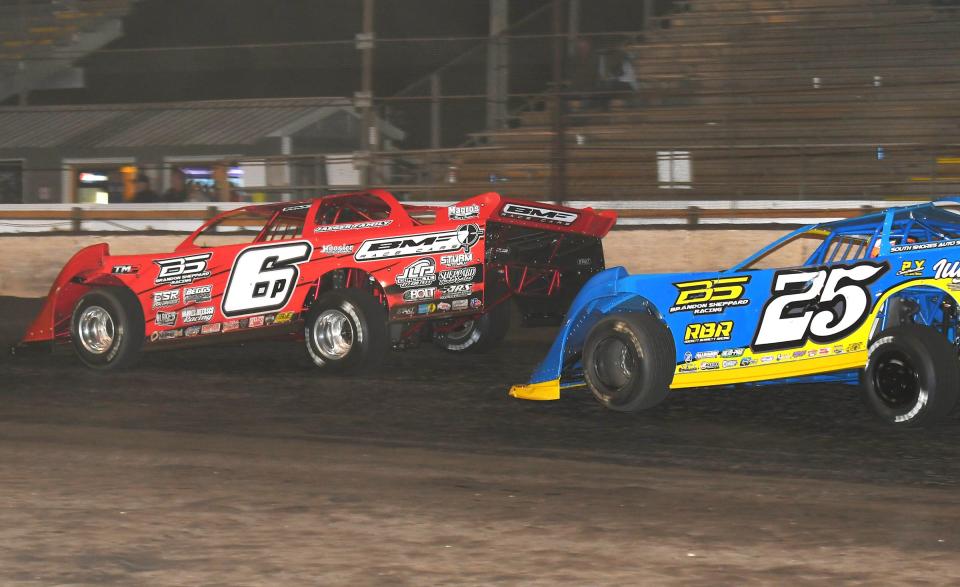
column 920, row 223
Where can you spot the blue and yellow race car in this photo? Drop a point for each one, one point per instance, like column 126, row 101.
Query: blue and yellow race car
column 875, row 303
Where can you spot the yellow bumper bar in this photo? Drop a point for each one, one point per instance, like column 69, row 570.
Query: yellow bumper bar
column 545, row 391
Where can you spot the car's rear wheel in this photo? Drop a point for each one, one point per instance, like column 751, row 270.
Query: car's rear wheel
column 628, row 361
column 478, row 334
column 107, row 328
column 912, row 376
column 346, row 332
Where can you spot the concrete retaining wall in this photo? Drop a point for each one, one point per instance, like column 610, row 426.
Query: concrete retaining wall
column 28, row 265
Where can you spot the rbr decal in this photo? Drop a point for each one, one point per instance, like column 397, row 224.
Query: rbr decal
column 822, row 305
column 263, row 277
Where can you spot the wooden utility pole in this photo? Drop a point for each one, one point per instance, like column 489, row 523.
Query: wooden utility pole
column 369, row 139
column 558, row 175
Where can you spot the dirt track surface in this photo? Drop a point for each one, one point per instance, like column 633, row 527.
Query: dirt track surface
column 242, row 466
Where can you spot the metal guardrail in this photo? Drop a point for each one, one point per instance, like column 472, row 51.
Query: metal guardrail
column 145, row 218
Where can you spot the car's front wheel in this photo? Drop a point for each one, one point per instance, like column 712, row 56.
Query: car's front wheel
column 912, row 376
column 346, row 332
column 628, row 361
column 107, row 328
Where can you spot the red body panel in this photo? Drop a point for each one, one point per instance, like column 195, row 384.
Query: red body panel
column 205, row 290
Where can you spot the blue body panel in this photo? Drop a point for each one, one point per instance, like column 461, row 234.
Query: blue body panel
column 812, row 313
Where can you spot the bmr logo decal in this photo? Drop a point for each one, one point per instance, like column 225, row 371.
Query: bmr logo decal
column 463, row 238
column 539, row 214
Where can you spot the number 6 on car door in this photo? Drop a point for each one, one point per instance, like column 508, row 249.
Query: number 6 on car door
column 263, row 278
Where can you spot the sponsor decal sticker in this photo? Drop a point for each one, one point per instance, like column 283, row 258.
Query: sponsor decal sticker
column 854, row 347
column 709, row 366
column 746, row 362
column 210, row 328
column 443, row 307
column 730, row 363
column 476, row 302
column 460, row 304
column 231, row 325
column 766, row 359
column 353, row 226
column 425, row 293
column 710, row 296
column 912, row 268
column 687, row 368
column 706, row 355
column 708, row 332
column 426, row 308
column 420, row 273
column 284, row 317
column 462, row 238
column 169, row 334
column 180, row 270
column 201, row 293
column 163, row 299
column 944, row 269
column 296, row 207
column 194, row 315
column 165, row 319
column 457, row 275
column 255, row 321
column 458, row 260
column 337, row 249
column 726, row 353
column 405, row 311
column 463, row 212
column 191, row 331
column 456, row 291
column 539, row 214
column 125, row 269
column 924, row 246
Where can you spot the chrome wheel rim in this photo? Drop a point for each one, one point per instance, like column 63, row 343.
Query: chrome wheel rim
column 96, row 330
column 615, row 367
column 333, row 334
column 461, row 332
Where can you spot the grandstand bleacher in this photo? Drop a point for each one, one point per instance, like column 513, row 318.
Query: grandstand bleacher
column 765, row 99
column 42, row 39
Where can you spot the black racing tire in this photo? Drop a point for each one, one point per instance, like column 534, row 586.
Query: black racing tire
column 107, row 328
column 346, row 332
column 479, row 335
column 629, row 361
column 912, row 376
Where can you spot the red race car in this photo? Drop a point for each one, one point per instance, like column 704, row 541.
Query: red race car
column 353, row 274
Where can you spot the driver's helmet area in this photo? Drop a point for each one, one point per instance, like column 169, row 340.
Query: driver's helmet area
column 350, row 209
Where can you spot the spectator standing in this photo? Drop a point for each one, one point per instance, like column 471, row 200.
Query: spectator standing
column 177, row 192
column 144, row 194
